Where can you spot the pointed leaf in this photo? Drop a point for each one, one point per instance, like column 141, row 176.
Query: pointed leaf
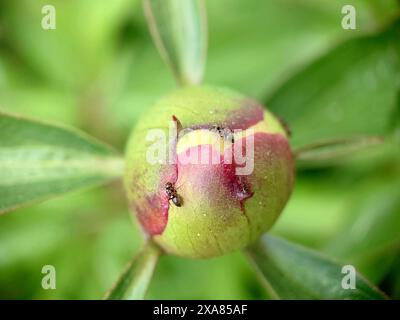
column 332, row 150
column 371, row 231
column 134, row 281
column 351, row 91
column 39, row 161
column 290, row 271
column 179, row 30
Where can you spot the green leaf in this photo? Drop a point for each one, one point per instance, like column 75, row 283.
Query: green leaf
column 349, row 92
column 248, row 52
column 42, row 50
column 328, row 151
column 134, row 281
column 39, row 161
column 290, row 271
column 246, row 35
column 179, row 30
column 371, row 231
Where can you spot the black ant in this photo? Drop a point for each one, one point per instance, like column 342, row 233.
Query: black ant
column 172, row 194
column 225, row 133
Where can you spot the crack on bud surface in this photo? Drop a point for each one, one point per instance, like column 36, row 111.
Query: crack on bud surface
column 152, row 210
column 243, row 191
column 168, row 182
column 178, row 125
column 238, row 186
column 285, row 126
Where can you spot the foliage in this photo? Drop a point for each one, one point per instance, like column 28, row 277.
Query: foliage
column 99, row 70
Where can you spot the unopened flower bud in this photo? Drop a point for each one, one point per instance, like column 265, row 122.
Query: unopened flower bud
column 208, row 171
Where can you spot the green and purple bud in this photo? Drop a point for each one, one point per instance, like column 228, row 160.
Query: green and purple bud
column 208, row 171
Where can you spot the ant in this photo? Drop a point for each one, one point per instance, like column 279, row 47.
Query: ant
column 172, row 194
column 225, row 133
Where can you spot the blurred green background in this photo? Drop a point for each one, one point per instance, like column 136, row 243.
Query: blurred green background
column 99, row 70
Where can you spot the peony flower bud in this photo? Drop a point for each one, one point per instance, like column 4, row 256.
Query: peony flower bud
column 208, row 171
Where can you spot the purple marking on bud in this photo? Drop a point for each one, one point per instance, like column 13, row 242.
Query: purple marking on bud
column 240, row 119
column 239, row 186
column 223, row 173
column 152, row 213
column 245, row 117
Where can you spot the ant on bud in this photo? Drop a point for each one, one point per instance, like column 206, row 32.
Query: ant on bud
column 225, row 133
column 172, row 194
